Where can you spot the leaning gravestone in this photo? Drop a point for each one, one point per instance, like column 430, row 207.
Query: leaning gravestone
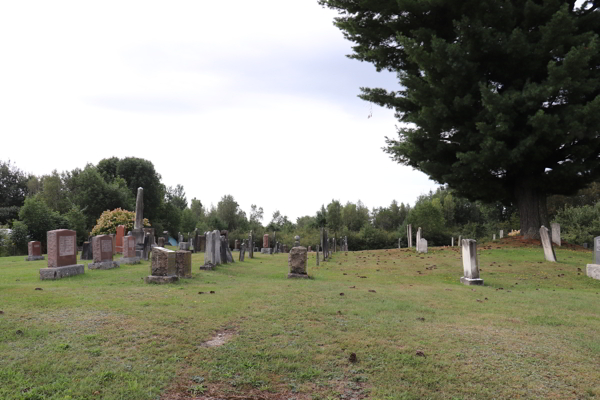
column 162, row 268
column 547, row 244
column 183, row 264
column 129, row 253
column 103, row 253
column 297, row 262
column 62, row 255
column 470, row 263
column 34, row 251
column 555, row 233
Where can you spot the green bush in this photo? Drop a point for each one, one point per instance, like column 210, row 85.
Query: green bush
column 109, row 220
column 20, row 237
column 579, row 224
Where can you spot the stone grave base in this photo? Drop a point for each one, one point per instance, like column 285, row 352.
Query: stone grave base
column 469, row 281
column 128, row 260
column 61, row 272
column 34, row 258
column 207, row 267
column 266, row 250
column 593, row 271
column 103, row 265
column 236, row 250
column 161, row 279
column 301, row 276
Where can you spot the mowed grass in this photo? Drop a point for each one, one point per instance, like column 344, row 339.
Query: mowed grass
column 533, row 330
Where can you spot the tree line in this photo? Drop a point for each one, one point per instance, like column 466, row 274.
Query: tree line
column 32, row 205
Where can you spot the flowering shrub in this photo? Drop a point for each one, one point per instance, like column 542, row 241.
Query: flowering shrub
column 109, row 220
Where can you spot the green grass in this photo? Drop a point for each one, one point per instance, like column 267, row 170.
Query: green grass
column 107, row 335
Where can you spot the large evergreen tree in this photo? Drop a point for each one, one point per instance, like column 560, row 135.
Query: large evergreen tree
column 499, row 99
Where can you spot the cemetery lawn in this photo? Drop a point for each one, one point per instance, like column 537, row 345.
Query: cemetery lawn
column 532, row 331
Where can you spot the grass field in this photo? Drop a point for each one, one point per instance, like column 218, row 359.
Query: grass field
column 532, row 332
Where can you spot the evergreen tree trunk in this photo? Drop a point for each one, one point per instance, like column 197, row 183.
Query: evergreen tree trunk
column 532, row 208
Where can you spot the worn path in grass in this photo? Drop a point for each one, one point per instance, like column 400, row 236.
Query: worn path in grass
column 531, row 332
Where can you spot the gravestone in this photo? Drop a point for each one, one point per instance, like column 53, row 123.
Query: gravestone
column 138, row 226
column 317, row 251
column 34, row 251
column 87, row 252
column 147, row 247
column 297, row 262
column 422, row 245
column 119, row 239
column 185, row 246
column 224, row 248
column 501, row 233
column 183, row 264
column 452, row 241
column 470, row 263
column 418, row 241
column 593, row 270
column 161, row 242
column 296, row 241
column 236, row 244
column 216, row 250
column 243, row 251
column 345, row 243
column 585, row 245
column 459, row 241
column 251, row 244
column 409, row 235
column 129, row 253
column 103, row 253
column 285, row 248
column 494, row 236
column 62, row 255
column 547, row 245
column 162, row 268
column 265, row 245
column 180, row 237
column 555, row 233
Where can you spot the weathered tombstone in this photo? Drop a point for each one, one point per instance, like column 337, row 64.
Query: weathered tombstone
column 317, row 250
column 265, row 245
column 501, row 233
column 251, row 245
column 346, row 243
column 418, row 241
column 285, row 248
column 138, row 226
column 147, row 247
column 229, row 255
column 162, row 268
column 297, row 262
column 180, row 238
column 119, row 239
column 243, row 251
column 236, row 244
column 409, row 235
column 161, row 242
column 422, row 245
column 34, row 251
column 183, row 264
column 470, row 263
column 224, row 248
column 208, row 248
column 62, row 255
column 555, row 233
column 216, row 240
column 103, row 253
column 593, row 270
column 87, row 252
column 399, row 243
column 129, row 253
column 494, row 236
column 547, row 245
column 459, row 241
column 452, row 242
column 185, row 246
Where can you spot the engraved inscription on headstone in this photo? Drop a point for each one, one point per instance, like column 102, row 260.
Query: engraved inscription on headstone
column 66, row 246
column 106, row 246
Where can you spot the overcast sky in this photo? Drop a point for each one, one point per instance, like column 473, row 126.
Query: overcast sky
column 252, row 99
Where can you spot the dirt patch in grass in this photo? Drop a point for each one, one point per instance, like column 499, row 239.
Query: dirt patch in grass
column 219, row 339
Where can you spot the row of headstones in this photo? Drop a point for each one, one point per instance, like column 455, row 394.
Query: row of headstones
column 62, row 254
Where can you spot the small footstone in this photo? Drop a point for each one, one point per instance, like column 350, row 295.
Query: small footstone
column 103, row 265
column 61, row 272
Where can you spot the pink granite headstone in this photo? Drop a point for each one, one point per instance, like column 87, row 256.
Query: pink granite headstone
column 128, row 246
column 102, row 248
column 265, row 240
column 34, row 249
column 62, row 248
column 119, row 239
